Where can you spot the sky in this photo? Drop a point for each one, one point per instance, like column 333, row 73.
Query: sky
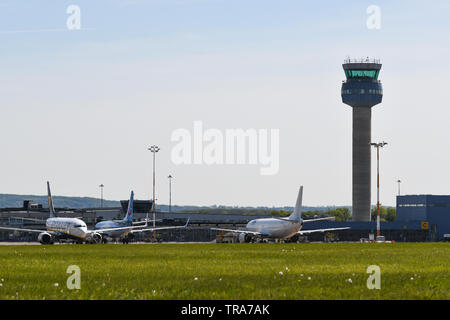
column 79, row 108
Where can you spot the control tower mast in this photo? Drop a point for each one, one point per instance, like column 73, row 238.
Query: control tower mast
column 362, row 90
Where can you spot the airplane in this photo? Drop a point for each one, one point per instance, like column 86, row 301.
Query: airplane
column 160, row 228
column 75, row 229
column 116, row 230
column 278, row 228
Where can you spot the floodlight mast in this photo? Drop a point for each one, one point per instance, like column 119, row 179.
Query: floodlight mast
column 170, row 177
column 154, row 149
column 101, row 195
column 378, row 146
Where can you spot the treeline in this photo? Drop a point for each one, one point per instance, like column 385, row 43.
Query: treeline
column 386, row 214
column 340, row 214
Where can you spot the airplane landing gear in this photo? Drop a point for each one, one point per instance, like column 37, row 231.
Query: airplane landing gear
column 127, row 239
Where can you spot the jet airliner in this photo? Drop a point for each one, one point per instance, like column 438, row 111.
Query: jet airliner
column 278, row 228
column 116, row 230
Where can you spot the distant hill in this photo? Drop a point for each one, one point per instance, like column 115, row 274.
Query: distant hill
column 16, row 201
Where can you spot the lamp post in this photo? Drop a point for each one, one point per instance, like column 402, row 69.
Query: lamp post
column 154, row 149
column 378, row 146
column 399, row 181
column 170, row 192
column 101, row 195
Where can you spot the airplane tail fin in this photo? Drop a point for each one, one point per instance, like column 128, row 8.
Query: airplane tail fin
column 50, row 202
column 297, row 214
column 129, row 215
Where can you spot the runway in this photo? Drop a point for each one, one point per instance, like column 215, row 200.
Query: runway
column 18, row 243
column 37, row 243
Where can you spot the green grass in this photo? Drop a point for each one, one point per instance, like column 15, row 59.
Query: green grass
column 226, row 271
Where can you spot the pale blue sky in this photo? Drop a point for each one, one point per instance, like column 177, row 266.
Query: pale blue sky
column 79, row 108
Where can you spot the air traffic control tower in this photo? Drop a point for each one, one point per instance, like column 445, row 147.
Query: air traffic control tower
column 362, row 90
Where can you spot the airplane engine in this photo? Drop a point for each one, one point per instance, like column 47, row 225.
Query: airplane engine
column 95, row 238
column 243, row 237
column 45, row 238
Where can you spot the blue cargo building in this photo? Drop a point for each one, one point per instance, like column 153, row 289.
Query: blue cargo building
column 419, row 218
column 410, row 231
column 432, row 211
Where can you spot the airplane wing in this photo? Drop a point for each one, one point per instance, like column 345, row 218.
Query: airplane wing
column 30, row 219
column 286, row 219
column 161, row 228
column 112, row 229
column 156, row 229
column 321, row 230
column 145, row 221
column 24, row 230
column 255, row 233
column 309, row 220
column 320, row 219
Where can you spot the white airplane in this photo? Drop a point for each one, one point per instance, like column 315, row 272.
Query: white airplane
column 67, row 228
column 116, row 230
column 278, row 228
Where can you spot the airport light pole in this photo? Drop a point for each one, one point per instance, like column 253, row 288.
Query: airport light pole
column 378, row 146
column 154, row 149
column 101, row 195
column 170, row 192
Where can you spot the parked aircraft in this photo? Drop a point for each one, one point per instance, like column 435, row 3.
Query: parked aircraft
column 278, row 228
column 116, row 230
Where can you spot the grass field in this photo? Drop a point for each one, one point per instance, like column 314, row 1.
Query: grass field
column 226, row 271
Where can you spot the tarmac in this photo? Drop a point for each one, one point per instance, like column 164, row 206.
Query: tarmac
column 38, row 243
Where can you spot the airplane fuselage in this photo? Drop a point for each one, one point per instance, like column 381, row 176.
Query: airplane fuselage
column 275, row 228
column 71, row 227
column 114, row 224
